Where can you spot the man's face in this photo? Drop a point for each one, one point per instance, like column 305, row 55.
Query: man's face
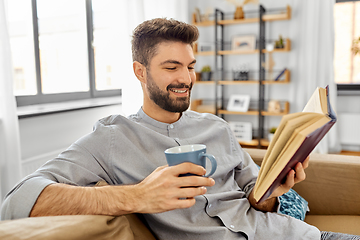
column 171, row 76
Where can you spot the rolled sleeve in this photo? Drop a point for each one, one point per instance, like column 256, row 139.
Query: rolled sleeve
column 20, row 201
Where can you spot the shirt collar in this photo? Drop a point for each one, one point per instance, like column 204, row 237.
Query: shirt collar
column 156, row 123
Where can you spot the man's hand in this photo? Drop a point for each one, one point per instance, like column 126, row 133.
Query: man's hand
column 164, row 190
column 296, row 175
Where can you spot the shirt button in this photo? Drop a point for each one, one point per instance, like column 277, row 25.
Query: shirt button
column 232, row 226
column 210, row 205
column 171, row 126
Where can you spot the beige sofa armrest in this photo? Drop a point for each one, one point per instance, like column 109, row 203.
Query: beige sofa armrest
column 332, row 184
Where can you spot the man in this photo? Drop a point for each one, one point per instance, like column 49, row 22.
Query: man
column 128, row 153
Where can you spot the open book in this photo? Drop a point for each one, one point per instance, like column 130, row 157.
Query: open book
column 294, row 139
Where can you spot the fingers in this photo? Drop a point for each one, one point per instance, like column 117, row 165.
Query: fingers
column 295, row 175
column 306, row 162
column 299, row 173
column 164, row 190
column 188, row 167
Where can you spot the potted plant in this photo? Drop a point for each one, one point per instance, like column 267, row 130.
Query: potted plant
column 271, row 133
column 279, row 43
column 206, row 73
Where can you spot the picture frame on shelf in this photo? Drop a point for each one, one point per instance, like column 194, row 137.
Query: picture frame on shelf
column 239, row 103
column 242, row 130
column 274, row 106
column 243, row 43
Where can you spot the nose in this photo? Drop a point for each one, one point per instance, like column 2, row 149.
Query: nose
column 187, row 76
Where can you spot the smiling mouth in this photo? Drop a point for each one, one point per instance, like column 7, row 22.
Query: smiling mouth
column 178, row 91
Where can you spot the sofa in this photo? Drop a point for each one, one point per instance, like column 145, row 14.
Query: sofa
column 331, row 188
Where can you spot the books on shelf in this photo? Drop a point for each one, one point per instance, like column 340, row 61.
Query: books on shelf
column 295, row 138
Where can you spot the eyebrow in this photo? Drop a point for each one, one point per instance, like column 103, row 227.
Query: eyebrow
column 176, row 62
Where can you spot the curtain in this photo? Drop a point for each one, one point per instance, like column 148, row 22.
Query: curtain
column 139, row 11
column 312, row 35
column 10, row 167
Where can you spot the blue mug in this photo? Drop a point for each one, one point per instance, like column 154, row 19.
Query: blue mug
column 195, row 153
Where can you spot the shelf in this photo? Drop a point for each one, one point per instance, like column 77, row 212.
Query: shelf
column 204, row 23
column 205, row 82
column 233, row 52
column 255, row 112
column 268, row 17
column 238, row 21
column 209, row 53
column 196, row 105
column 226, row 112
column 286, row 80
column 231, row 82
column 287, row 48
column 255, row 143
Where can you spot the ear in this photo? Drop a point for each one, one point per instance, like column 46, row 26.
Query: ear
column 140, row 71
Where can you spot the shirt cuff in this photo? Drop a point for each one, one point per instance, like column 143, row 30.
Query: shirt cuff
column 15, row 207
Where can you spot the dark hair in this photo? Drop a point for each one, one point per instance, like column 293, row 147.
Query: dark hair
column 149, row 34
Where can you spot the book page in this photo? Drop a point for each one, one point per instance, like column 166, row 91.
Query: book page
column 314, row 103
column 323, row 100
column 287, row 126
column 297, row 139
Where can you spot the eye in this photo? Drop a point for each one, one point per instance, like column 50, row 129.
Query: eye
column 191, row 68
column 173, row 68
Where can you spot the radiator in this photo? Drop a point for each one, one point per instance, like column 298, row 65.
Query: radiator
column 349, row 128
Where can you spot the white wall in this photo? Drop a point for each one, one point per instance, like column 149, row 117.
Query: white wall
column 44, row 137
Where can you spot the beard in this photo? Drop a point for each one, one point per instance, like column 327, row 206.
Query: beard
column 164, row 100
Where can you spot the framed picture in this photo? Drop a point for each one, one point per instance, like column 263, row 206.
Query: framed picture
column 243, row 43
column 239, row 103
column 242, row 130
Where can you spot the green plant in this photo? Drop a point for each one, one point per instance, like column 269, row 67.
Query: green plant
column 272, row 130
column 206, row 68
column 356, row 46
column 279, row 43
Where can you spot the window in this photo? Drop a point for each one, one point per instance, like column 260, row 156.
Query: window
column 107, row 43
column 60, row 52
column 347, row 31
column 22, row 47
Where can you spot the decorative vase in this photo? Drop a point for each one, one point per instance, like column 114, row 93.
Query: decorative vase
column 206, row 76
column 239, row 13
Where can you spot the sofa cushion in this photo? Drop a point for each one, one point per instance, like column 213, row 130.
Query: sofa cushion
column 335, row 223
column 292, row 204
column 78, row 227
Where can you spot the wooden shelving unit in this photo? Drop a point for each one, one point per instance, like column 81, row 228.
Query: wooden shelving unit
column 267, row 17
column 220, row 52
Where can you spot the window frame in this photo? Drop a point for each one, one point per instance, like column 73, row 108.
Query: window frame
column 350, row 88
column 41, row 98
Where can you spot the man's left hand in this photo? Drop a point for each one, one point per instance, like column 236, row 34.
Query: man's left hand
column 296, row 175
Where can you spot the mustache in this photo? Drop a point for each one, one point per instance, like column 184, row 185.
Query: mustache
column 180, row 85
